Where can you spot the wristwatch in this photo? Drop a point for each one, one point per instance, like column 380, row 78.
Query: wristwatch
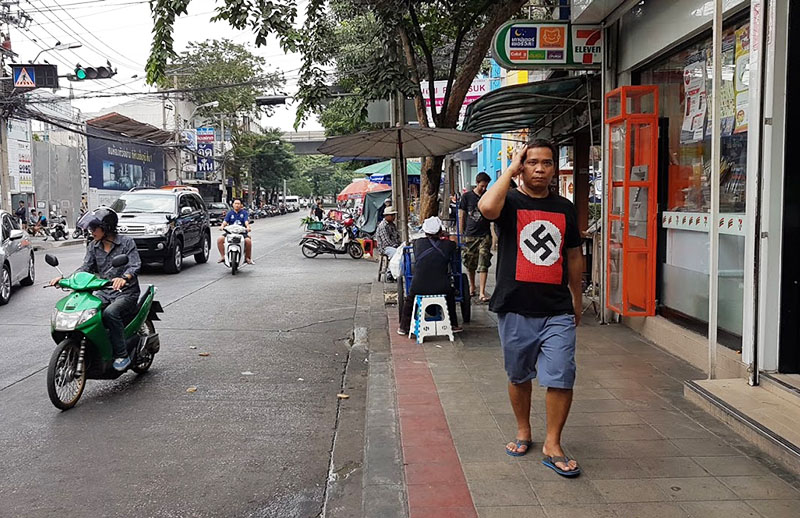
column 128, row 277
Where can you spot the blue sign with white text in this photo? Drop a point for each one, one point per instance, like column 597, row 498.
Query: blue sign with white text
column 523, row 37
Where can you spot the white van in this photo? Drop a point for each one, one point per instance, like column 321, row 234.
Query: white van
column 292, row 203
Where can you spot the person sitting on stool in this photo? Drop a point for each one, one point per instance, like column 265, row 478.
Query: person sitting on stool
column 433, row 257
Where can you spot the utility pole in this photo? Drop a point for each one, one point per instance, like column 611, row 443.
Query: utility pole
column 5, row 183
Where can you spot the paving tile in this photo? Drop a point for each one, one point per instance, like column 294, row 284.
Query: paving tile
column 636, row 432
column 422, row 454
column 442, row 512
column 603, row 419
column 433, row 472
column 525, row 511
column 731, row 466
column 694, row 489
column 776, row 508
column 704, row 447
column 603, row 469
column 466, row 421
column 580, row 511
column 491, row 493
column 558, row 492
column 593, row 450
column 657, row 448
column 386, row 501
column 619, row 491
column 444, row 494
column 426, row 409
column 480, row 451
column 486, row 435
column 717, row 509
column 682, row 429
column 650, row 510
column 761, row 487
column 599, row 405
column 479, row 471
column 663, row 467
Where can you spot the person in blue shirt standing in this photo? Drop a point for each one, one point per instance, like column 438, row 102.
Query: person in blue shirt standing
column 237, row 216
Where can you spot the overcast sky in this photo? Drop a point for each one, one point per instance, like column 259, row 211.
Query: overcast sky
column 120, row 31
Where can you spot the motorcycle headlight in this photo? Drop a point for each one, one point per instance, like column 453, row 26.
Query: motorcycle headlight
column 63, row 321
column 157, row 229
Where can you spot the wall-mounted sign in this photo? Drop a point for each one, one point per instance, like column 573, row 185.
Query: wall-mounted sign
column 121, row 166
column 521, row 44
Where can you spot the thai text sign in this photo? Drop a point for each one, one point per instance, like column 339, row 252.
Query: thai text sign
column 477, row 89
column 521, row 44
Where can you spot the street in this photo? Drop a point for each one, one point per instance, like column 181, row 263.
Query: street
column 253, row 440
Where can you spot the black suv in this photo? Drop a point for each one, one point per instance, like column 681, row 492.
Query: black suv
column 166, row 224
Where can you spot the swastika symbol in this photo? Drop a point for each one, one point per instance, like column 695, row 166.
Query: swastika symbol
column 541, row 242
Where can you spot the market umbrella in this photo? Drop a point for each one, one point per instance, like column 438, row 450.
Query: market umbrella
column 385, row 168
column 400, row 142
column 358, row 188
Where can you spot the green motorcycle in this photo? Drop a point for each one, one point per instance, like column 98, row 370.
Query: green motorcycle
column 84, row 350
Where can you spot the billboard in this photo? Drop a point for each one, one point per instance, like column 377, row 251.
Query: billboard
column 121, row 166
column 19, row 156
column 477, row 89
column 521, row 44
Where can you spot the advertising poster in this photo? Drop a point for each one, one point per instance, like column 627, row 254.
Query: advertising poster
column 121, row 166
column 525, row 44
column 477, row 89
column 741, row 80
column 694, row 115
column 205, row 153
column 19, row 156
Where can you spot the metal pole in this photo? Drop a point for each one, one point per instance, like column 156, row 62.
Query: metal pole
column 402, row 211
column 5, row 179
column 224, row 150
column 713, row 265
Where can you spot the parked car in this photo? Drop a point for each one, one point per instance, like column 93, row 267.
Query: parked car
column 166, row 224
column 16, row 257
column 292, row 203
column 217, row 211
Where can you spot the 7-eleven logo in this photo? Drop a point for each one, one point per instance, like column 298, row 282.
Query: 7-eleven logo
column 587, row 45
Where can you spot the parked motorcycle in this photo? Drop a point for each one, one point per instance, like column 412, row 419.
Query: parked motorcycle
column 337, row 242
column 234, row 246
column 84, row 350
column 58, row 227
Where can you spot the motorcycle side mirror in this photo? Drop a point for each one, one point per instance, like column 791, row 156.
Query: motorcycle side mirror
column 51, row 260
column 120, row 260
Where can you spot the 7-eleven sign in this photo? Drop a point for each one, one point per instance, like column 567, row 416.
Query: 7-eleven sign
column 587, row 45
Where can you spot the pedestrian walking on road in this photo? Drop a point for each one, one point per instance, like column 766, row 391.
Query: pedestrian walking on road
column 22, row 214
column 537, row 296
column 477, row 234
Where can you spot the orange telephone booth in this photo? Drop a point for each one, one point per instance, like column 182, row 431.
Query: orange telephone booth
column 632, row 126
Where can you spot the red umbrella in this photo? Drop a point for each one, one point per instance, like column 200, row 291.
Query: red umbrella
column 359, row 188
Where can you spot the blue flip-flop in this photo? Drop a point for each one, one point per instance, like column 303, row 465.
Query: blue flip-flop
column 550, row 462
column 520, row 442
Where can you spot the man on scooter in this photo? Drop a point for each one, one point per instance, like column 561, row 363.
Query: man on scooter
column 237, row 216
column 120, row 299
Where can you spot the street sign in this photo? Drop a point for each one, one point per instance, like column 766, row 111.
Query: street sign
column 30, row 76
column 205, row 159
column 522, row 44
column 205, row 134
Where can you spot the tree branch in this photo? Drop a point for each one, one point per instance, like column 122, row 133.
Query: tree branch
column 411, row 61
column 428, row 61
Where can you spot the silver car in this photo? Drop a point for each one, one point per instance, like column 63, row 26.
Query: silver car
column 16, row 256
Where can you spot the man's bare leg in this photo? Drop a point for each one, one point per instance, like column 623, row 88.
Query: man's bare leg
column 557, row 402
column 483, row 277
column 221, row 246
column 248, row 249
column 471, row 277
column 520, row 396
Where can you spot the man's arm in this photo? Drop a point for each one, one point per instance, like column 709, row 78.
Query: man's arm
column 462, row 221
column 575, row 276
column 134, row 261
column 89, row 264
column 492, row 202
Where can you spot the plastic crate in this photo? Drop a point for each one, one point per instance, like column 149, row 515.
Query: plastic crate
column 316, row 225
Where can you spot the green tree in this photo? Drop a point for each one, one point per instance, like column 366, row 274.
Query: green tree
column 266, row 157
column 410, row 41
column 321, row 176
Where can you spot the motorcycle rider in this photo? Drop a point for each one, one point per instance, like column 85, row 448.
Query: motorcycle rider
column 121, row 298
column 237, row 216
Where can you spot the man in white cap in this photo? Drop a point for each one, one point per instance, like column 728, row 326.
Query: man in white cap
column 433, row 256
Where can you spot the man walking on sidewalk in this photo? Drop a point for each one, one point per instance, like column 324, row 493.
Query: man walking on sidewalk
column 537, row 296
column 477, row 236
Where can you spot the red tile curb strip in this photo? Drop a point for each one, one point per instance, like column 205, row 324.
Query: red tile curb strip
column 436, row 484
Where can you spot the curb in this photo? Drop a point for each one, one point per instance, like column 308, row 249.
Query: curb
column 48, row 245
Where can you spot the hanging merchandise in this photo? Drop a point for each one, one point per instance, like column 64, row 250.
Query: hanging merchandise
column 694, row 115
column 742, row 78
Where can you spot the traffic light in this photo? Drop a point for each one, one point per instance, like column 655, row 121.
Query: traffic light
column 83, row 73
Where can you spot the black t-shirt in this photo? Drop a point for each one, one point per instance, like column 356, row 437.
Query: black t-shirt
column 532, row 274
column 477, row 225
column 431, row 266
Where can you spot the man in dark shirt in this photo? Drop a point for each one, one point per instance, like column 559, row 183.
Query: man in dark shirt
column 121, row 297
column 538, row 295
column 476, row 230
column 432, row 259
column 21, row 214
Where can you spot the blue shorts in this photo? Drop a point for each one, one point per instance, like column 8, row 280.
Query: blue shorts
column 542, row 348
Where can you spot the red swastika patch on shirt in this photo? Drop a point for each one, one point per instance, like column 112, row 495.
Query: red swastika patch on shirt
column 540, row 241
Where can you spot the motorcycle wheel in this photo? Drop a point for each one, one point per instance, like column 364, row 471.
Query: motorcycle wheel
column 355, row 250
column 309, row 251
column 234, row 263
column 63, row 388
column 144, row 359
column 76, row 233
column 56, row 235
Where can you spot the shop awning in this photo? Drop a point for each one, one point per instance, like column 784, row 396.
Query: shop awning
column 127, row 127
column 551, row 109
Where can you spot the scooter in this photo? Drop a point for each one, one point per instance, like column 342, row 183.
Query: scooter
column 340, row 241
column 83, row 349
column 234, row 246
column 58, row 227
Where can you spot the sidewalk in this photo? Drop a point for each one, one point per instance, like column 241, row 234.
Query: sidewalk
column 644, row 449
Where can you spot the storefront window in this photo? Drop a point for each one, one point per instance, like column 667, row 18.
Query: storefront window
column 685, row 81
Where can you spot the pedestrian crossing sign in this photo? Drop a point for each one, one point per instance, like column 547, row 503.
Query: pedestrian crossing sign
column 24, row 77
